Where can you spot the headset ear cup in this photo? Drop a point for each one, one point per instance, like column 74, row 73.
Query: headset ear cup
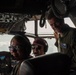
column 46, row 46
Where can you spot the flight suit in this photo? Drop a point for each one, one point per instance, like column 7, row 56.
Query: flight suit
column 68, row 44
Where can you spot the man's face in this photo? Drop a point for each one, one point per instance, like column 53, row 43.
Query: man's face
column 16, row 50
column 38, row 49
column 56, row 26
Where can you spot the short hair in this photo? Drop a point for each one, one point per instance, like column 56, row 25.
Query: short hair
column 42, row 42
column 50, row 15
column 25, row 43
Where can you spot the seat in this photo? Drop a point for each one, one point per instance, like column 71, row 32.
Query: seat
column 51, row 64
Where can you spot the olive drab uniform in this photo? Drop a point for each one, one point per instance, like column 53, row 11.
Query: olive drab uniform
column 68, row 44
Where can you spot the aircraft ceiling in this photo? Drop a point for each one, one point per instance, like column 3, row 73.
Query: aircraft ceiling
column 18, row 10
column 24, row 6
column 36, row 7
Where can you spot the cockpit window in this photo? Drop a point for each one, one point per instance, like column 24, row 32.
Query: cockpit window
column 69, row 22
column 46, row 32
column 4, row 42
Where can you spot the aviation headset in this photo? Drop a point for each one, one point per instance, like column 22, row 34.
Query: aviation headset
column 25, row 43
column 42, row 42
column 50, row 14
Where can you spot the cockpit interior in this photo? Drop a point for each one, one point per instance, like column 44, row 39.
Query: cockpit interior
column 26, row 16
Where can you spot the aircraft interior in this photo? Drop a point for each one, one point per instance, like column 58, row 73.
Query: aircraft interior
column 14, row 15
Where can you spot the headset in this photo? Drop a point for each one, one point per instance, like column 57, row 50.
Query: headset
column 46, row 46
column 42, row 42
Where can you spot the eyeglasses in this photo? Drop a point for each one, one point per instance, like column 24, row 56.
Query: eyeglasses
column 37, row 47
column 14, row 48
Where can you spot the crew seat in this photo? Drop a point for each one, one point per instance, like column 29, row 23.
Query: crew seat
column 51, row 64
